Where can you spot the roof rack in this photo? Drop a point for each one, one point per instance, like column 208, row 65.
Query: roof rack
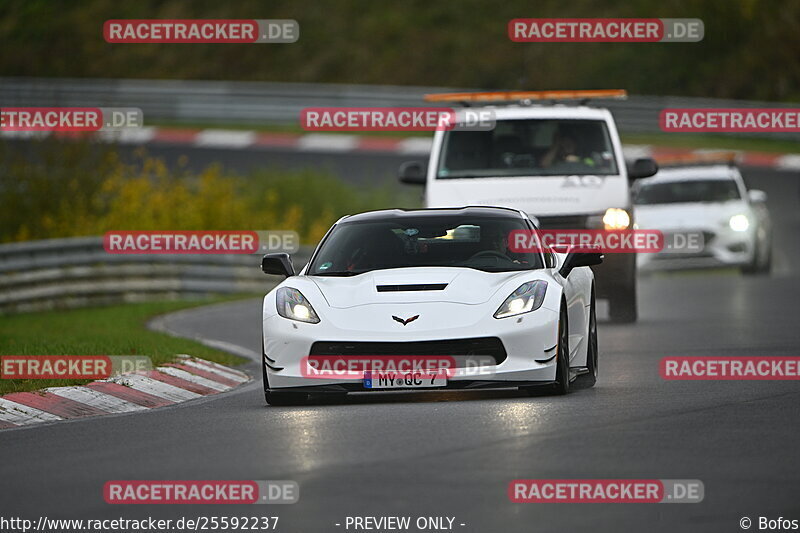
column 527, row 97
column 709, row 157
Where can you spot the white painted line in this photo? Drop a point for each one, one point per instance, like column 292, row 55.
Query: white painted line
column 636, row 151
column 224, row 368
column 225, row 138
column 788, row 162
column 238, row 377
column 95, row 398
column 320, row 142
column 155, row 387
column 193, row 378
column 129, row 135
column 22, row 415
column 415, row 145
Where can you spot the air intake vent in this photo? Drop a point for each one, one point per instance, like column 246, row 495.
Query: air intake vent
column 417, row 287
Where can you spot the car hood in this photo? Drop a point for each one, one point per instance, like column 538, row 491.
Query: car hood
column 463, row 285
column 687, row 216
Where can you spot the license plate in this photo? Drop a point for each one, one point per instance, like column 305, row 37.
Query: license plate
column 403, row 380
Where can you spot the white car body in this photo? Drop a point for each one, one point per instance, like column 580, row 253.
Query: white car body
column 539, row 196
column 725, row 243
column 572, row 198
column 352, row 310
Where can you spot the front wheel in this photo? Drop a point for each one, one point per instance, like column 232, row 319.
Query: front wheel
column 561, row 384
column 588, row 379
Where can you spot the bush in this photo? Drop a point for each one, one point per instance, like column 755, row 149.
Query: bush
column 52, row 189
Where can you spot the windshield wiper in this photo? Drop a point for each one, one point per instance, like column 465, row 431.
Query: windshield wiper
column 341, row 273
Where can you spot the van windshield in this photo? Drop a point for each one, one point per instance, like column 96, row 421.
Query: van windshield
column 689, row 191
column 529, row 147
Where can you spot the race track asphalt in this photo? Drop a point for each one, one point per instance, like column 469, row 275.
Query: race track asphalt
column 453, row 454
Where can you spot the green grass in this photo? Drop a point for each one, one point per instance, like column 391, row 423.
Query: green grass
column 113, row 330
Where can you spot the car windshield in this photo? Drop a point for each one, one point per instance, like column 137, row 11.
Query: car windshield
column 694, row 191
column 531, row 147
column 426, row 241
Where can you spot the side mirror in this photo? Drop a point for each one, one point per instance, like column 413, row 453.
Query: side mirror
column 756, row 196
column 579, row 259
column 278, row 264
column 642, row 168
column 412, row 172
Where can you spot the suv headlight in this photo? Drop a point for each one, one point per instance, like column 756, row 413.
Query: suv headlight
column 616, row 218
column 739, row 223
column 294, row 306
column 528, row 297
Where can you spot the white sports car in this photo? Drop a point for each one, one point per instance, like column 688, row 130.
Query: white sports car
column 707, row 199
column 404, row 286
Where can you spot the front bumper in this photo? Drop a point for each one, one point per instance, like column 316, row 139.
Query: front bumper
column 722, row 248
column 529, row 341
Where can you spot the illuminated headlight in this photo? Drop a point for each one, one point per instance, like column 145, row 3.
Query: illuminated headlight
column 294, row 306
column 528, row 297
column 616, row 218
column 739, row 223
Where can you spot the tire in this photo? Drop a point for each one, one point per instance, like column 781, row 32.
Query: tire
column 279, row 397
column 561, row 384
column 622, row 305
column 587, row 380
column 766, row 266
column 760, row 265
column 752, row 267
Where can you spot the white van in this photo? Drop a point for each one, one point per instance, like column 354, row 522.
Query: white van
column 563, row 165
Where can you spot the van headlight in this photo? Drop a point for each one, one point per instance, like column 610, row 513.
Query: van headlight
column 739, row 223
column 293, row 305
column 616, row 218
column 528, row 297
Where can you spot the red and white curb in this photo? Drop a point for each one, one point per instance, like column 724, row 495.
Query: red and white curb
column 186, row 379
column 742, row 157
column 342, row 143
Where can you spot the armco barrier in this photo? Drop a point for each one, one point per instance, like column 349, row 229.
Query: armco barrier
column 220, row 102
column 77, row 271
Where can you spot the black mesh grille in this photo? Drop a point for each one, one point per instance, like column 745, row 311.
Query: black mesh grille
column 459, row 349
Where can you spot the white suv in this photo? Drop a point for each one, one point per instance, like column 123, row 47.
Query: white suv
column 563, row 165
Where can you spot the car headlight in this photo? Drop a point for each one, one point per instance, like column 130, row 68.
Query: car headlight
column 739, row 223
column 528, row 297
column 294, row 306
column 616, row 218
